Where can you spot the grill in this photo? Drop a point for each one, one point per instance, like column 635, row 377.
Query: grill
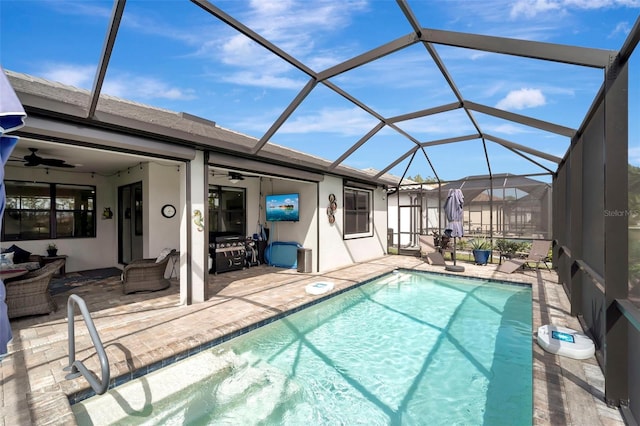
column 228, row 253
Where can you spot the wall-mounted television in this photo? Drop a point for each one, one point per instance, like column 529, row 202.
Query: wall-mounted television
column 282, row 208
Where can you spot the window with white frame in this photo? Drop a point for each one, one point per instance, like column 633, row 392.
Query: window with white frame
column 357, row 213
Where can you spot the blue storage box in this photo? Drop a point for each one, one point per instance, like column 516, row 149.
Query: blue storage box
column 282, row 254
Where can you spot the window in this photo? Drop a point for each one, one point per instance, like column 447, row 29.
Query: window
column 357, row 213
column 37, row 211
column 227, row 210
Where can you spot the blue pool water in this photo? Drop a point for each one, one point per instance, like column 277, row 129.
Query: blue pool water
column 409, row 348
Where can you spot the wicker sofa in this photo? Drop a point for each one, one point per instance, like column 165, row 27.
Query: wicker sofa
column 146, row 274
column 29, row 294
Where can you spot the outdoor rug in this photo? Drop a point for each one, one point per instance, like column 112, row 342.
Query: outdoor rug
column 73, row 280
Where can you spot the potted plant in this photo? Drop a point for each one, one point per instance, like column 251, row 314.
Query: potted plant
column 481, row 248
column 52, row 249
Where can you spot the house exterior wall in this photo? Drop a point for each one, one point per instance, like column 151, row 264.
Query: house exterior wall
column 334, row 250
column 161, row 185
column 164, row 184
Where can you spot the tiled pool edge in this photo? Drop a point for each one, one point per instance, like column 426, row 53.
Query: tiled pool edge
column 285, row 311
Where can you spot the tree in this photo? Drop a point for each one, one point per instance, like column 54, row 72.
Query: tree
column 418, row 178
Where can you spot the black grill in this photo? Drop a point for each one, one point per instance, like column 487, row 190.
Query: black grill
column 228, row 253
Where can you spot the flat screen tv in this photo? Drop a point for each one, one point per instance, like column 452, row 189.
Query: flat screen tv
column 282, row 208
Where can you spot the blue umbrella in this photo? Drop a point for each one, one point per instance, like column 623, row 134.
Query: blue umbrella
column 453, row 209
column 12, row 117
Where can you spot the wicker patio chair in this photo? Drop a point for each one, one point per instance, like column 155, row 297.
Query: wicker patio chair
column 146, row 275
column 29, row 294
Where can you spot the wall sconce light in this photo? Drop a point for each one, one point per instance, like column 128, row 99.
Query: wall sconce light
column 107, row 213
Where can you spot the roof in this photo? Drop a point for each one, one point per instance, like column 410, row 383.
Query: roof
column 40, row 96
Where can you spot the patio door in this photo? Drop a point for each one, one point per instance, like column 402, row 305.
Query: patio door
column 130, row 242
column 410, row 226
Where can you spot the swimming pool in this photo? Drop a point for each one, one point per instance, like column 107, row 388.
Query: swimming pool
column 408, row 348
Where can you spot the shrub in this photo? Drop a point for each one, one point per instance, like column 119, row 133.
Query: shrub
column 480, row 244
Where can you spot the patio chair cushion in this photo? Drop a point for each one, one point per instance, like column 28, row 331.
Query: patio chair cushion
column 6, row 259
column 19, row 255
column 7, row 262
column 163, row 253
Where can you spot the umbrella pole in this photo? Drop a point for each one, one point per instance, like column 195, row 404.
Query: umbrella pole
column 454, row 267
column 454, row 251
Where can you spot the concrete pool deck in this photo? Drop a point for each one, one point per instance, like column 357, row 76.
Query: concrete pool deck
column 139, row 330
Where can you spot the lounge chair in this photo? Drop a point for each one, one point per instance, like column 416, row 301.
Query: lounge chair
column 29, row 294
column 539, row 253
column 430, row 252
column 147, row 274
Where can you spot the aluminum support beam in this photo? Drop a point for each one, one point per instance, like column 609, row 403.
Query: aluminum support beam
column 616, row 231
column 521, row 119
column 575, row 55
column 232, row 22
column 369, row 56
column 285, row 115
column 425, row 112
column 449, row 140
column 528, row 150
column 395, row 163
column 357, row 145
column 105, row 56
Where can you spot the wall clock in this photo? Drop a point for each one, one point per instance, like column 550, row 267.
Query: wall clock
column 168, row 210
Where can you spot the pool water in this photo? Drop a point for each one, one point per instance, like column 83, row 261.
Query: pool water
column 409, row 348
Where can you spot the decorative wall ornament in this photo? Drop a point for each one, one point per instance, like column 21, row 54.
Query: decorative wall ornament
column 198, row 220
column 331, row 209
column 107, row 213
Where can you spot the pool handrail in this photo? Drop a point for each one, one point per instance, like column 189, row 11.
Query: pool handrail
column 77, row 367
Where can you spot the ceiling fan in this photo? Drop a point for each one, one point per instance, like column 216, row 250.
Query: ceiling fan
column 33, row 160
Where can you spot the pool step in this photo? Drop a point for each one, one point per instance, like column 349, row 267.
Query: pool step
column 210, row 387
column 395, row 278
column 257, row 385
column 150, row 397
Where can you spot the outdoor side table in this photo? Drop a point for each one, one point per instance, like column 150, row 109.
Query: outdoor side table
column 48, row 259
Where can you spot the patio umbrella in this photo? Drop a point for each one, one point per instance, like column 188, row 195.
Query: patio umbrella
column 453, row 209
column 12, row 117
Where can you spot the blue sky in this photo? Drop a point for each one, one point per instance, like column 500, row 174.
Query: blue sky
column 173, row 55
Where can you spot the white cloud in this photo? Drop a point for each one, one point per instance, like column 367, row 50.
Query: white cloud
column 344, row 121
column 532, row 8
column 80, row 76
column 296, row 27
column 521, row 99
column 622, row 28
column 250, row 78
column 507, row 129
column 121, row 85
column 143, row 88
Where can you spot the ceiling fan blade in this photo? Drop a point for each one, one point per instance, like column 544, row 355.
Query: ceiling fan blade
column 33, row 160
column 54, row 162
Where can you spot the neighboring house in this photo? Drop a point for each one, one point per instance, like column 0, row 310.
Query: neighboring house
column 519, row 207
column 133, row 161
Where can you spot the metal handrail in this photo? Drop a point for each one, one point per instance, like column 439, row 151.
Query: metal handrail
column 76, row 367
